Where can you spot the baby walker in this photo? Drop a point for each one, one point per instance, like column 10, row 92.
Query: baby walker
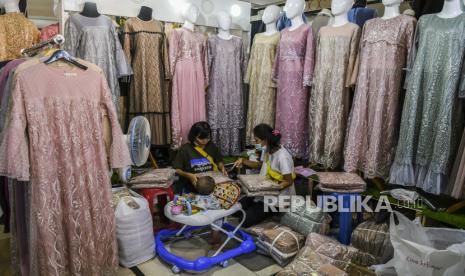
column 197, row 220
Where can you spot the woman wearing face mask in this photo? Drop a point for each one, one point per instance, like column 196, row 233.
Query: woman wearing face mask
column 276, row 163
column 197, row 156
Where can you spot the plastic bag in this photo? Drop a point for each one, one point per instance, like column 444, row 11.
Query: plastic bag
column 426, row 251
column 134, row 230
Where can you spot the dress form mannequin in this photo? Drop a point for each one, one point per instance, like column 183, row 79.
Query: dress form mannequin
column 10, row 5
column 224, row 25
column 340, row 10
column 190, row 14
column 391, row 8
column 451, row 8
column 294, row 10
column 270, row 17
column 90, row 10
column 145, row 13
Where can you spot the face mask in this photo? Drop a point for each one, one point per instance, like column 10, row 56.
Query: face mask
column 258, row 146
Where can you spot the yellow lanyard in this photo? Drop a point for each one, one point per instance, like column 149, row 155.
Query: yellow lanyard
column 274, row 175
column 205, row 154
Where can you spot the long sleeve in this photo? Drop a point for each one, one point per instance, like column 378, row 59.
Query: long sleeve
column 119, row 152
column 352, row 69
column 204, row 57
column 412, row 53
column 462, row 81
column 243, row 59
column 248, row 72
column 123, row 67
column 71, row 37
column 166, row 59
column 354, row 74
column 309, row 62
column 127, row 46
column 275, row 72
column 173, row 51
column 210, row 54
column 14, row 146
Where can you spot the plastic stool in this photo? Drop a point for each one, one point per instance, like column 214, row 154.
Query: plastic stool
column 345, row 218
column 150, row 194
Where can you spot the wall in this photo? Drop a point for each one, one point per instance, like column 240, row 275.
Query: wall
column 170, row 10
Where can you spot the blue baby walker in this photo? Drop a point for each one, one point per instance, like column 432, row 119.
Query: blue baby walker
column 199, row 221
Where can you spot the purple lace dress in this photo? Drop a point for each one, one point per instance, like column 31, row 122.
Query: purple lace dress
column 293, row 72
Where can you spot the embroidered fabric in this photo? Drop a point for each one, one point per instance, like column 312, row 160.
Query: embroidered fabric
column 49, row 32
column 293, row 72
column 16, row 33
column 54, row 138
column 262, row 89
column 432, row 116
column 335, row 72
column 375, row 116
column 189, row 72
column 225, row 100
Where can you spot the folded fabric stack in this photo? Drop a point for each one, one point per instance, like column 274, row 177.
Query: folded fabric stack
column 281, row 243
column 310, row 263
column 258, row 185
column 307, row 219
column 347, row 258
column 374, row 239
column 340, row 182
column 156, row 178
column 217, row 176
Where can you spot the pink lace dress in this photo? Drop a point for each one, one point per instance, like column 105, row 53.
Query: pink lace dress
column 53, row 138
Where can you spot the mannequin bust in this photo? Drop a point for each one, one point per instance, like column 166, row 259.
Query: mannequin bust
column 145, row 13
column 270, row 17
column 224, row 25
column 10, row 5
column 451, row 9
column 90, row 10
column 391, row 8
column 190, row 15
column 294, row 10
column 340, row 10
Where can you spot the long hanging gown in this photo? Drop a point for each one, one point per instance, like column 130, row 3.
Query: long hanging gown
column 335, row 72
column 375, row 117
column 293, row 72
column 96, row 40
column 16, row 33
column 225, row 100
column 146, row 47
column 432, row 114
column 262, row 89
column 54, row 138
column 189, row 71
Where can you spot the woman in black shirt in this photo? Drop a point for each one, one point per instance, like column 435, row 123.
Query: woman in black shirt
column 197, row 156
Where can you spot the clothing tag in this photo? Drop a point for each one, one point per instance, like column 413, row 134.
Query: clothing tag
column 70, row 74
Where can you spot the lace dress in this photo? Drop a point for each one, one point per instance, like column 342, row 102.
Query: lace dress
column 432, row 116
column 225, row 99
column 96, row 40
column 189, row 71
column 54, row 139
column 262, row 89
column 375, row 117
column 335, row 72
column 293, row 72
column 146, row 48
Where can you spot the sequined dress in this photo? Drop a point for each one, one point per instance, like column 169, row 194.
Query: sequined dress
column 189, row 71
column 375, row 116
column 335, row 72
column 16, row 33
column 95, row 39
column 225, row 99
column 293, row 72
column 146, row 48
column 262, row 89
column 432, row 116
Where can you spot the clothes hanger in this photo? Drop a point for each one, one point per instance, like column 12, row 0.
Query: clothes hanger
column 65, row 56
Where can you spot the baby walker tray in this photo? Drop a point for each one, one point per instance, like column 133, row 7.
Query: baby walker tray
column 198, row 221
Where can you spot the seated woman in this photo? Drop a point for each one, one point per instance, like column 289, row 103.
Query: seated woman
column 197, row 156
column 276, row 163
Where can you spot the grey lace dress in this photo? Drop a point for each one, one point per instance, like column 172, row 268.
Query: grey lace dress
column 96, row 40
column 431, row 117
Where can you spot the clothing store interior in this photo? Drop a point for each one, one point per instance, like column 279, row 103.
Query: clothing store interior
column 232, row 137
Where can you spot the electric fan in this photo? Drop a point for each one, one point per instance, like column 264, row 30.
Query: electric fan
column 138, row 140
